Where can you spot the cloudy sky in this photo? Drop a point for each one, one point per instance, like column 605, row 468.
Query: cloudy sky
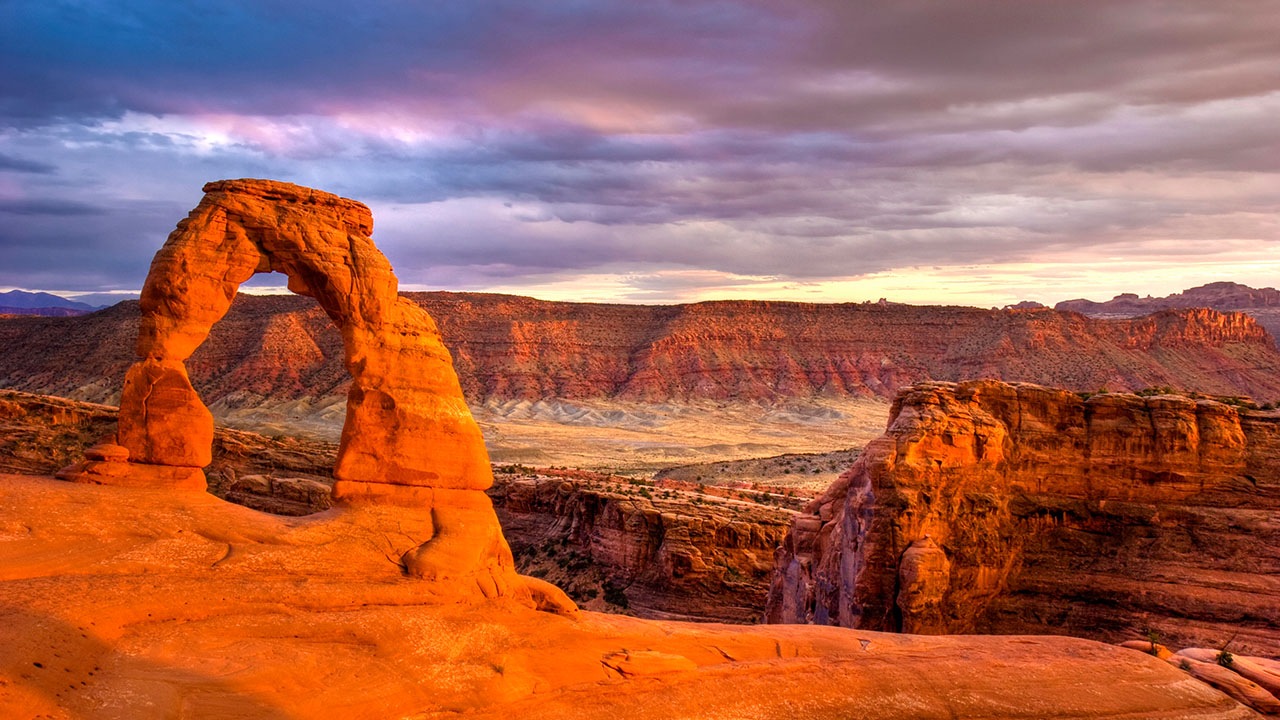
column 668, row 150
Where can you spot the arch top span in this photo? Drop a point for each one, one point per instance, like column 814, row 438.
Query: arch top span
column 407, row 426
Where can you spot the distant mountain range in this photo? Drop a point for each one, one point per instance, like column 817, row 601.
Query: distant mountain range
column 1263, row 304
column 272, row 350
column 21, row 302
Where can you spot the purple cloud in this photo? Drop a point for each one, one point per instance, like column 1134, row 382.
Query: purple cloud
column 507, row 142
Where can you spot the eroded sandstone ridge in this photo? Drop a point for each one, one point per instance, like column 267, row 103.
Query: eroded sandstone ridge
column 408, row 439
column 281, row 350
column 996, row 508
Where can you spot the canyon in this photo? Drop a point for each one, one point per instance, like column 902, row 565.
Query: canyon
column 638, row 389
column 1000, row 508
column 614, row 543
column 140, row 603
column 381, row 582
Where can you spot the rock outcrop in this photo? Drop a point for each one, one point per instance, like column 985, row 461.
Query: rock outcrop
column 282, row 475
column 997, row 508
column 1263, row 304
column 659, row 553
column 1251, row 681
column 153, row 604
column 612, row 543
column 284, row 351
column 408, row 439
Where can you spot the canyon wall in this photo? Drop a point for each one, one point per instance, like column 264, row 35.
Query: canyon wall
column 659, row 553
column 278, row 349
column 995, row 508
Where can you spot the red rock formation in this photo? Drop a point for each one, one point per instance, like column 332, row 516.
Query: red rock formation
column 999, row 508
column 150, row 604
column 284, row 349
column 408, row 439
column 407, row 424
column 671, row 554
column 1263, row 304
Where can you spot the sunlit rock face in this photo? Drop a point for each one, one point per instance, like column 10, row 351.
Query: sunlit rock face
column 282, row 349
column 407, row 423
column 997, row 508
column 408, row 439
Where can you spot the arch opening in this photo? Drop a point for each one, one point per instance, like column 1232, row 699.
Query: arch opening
column 407, row 428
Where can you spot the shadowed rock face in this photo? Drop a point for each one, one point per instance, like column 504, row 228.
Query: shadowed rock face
column 997, row 508
column 408, row 439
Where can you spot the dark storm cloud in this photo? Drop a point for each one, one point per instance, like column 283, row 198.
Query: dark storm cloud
column 85, row 249
column 270, row 57
column 806, row 139
column 779, row 66
column 19, row 165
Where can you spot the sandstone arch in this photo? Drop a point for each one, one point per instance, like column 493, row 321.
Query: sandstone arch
column 407, row 424
column 408, row 439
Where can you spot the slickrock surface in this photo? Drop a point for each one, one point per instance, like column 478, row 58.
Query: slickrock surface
column 613, row 543
column 997, row 508
column 667, row 553
column 282, row 350
column 1251, row 681
column 135, row 603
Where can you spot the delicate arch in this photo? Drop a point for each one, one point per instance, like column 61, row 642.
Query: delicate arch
column 407, row 423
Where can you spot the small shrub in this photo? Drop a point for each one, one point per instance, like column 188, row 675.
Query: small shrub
column 1153, row 636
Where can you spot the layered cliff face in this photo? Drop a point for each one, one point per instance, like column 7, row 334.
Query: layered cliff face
column 676, row 554
column 1262, row 304
column 997, row 508
column 1216, row 295
column 284, row 351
